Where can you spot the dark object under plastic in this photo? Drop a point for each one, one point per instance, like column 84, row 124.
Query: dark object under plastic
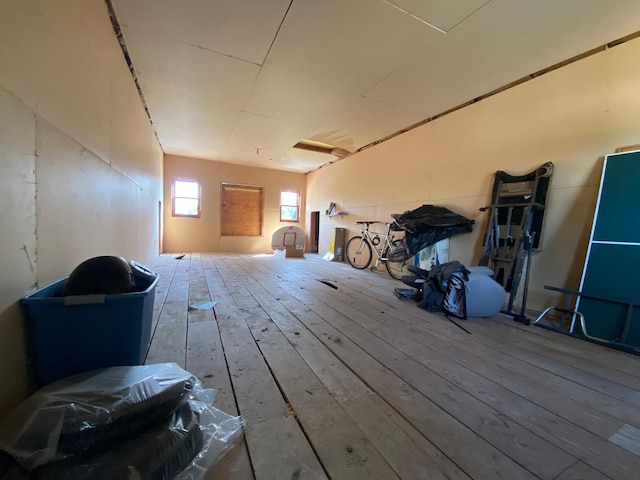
column 106, row 274
column 10, row 469
column 182, row 445
column 91, row 411
column 160, row 453
column 428, row 224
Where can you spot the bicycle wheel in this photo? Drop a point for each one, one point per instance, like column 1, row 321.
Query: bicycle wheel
column 396, row 268
column 358, row 252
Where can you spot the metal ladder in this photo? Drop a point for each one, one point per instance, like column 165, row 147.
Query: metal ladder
column 515, row 222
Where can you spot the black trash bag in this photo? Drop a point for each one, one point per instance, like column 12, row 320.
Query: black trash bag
column 90, row 411
column 429, row 224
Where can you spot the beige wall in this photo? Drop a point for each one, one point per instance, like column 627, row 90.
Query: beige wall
column 203, row 234
column 571, row 117
column 80, row 167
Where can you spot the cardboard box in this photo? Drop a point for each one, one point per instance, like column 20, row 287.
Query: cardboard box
column 294, row 251
column 338, row 244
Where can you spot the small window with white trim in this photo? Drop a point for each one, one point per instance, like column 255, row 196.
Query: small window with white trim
column 185, row 198
column 289, row 206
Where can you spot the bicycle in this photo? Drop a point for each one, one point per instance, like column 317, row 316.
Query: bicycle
column 389, row 250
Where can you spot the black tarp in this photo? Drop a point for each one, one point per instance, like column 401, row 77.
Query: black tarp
column 429, row 224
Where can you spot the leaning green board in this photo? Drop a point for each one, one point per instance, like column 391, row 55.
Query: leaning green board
column 612, row 265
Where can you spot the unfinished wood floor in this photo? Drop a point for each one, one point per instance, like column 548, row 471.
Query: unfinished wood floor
column 351, row 382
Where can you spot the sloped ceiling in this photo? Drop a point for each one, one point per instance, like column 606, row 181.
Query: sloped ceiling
column 244, row 81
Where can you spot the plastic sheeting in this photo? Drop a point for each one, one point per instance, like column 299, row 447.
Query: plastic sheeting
column 153, row 421
column 429, row 224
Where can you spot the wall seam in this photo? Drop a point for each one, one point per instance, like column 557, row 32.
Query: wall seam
column 36, row 162
column 115, row 24
column 515, row 83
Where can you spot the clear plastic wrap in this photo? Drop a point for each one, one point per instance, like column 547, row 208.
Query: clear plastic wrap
column 138, row 422
column 221, row 432
column 183, row 447
column 161, row 452
column 91, row 410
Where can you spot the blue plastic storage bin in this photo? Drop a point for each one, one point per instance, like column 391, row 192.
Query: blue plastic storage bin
column 74, row 334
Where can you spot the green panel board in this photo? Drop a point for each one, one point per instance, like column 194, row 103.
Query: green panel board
column 613, row 265
column 612, row 272
column 619, row 204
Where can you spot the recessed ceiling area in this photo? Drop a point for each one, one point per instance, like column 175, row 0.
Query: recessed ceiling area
column 244, row 82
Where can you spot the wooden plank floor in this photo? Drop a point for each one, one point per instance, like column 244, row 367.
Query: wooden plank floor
column 337, row 378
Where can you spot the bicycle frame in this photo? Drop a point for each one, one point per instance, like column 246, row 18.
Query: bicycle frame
column 379, row 247
column 359, row 250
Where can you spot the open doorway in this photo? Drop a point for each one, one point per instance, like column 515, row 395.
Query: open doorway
column 160, row 213
column 314, row 236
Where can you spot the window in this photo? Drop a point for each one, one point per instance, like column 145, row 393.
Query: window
column 241, row 210
column 185, row 198
column 289, row 206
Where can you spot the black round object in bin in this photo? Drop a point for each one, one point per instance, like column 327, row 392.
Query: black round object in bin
column 100, row 275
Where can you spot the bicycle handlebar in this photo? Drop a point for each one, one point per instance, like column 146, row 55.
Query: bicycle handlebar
column 386, row 224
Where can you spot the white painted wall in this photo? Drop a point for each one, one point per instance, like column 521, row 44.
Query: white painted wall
column 571, row 117
column 80, row 166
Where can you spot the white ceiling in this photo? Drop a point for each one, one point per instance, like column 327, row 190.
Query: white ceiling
column 242, row 81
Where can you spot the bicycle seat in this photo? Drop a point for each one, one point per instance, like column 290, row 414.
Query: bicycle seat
column 367, row 223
